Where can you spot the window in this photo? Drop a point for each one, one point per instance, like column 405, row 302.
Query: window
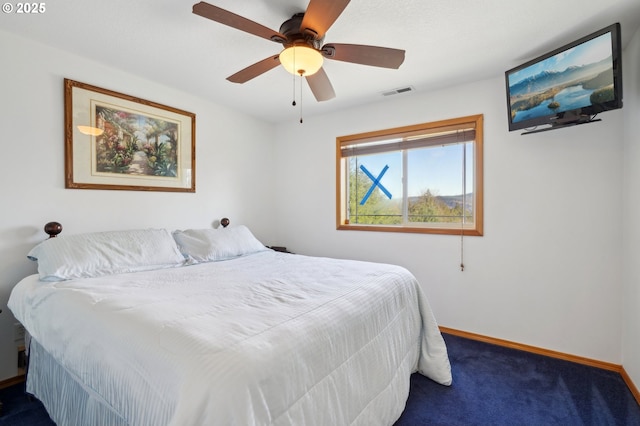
column 425, row 178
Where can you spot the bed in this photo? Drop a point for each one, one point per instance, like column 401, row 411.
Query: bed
column 210, row 327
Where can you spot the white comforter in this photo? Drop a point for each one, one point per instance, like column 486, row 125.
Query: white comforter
column 265, row 339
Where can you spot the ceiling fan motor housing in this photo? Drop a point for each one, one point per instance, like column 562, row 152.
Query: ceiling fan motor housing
column 291, row 29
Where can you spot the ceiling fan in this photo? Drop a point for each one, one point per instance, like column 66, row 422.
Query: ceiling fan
column 302, row 37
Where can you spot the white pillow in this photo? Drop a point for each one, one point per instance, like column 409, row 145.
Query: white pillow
column 105, row 253
column 206, row 245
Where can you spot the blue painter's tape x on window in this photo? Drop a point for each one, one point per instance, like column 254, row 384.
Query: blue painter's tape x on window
column 376, row 182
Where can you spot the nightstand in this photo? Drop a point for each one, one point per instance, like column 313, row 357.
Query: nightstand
column 281, row 249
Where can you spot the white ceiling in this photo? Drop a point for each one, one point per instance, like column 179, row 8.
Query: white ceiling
column 447, row 42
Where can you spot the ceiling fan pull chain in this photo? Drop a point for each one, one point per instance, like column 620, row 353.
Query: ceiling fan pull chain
column 301, row 72
column 294, row 90
column 293, row 81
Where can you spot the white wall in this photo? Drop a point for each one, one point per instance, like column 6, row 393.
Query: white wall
column 547, row 271
column 631, row 212
column 234, row 157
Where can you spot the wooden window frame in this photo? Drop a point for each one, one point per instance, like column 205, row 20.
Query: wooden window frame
column 437, row 127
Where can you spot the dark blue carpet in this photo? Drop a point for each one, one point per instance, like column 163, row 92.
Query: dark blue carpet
column 492, row 385
column 19, row 410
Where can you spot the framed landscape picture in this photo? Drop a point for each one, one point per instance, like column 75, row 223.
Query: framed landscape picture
column 117, row 141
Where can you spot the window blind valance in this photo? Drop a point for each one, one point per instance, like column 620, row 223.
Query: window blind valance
column 403, row 139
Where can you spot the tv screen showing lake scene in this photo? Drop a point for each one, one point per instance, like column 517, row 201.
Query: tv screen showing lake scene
column 575, row 78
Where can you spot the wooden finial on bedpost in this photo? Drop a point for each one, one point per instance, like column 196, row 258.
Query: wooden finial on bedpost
column 224, row 222
column 53, row 229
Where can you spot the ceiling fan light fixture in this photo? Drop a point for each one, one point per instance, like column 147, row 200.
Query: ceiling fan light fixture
column 301, row 60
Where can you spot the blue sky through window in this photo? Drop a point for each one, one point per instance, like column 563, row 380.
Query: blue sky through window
column 436, row 168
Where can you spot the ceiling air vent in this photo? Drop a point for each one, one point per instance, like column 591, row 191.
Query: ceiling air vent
column 398, row 91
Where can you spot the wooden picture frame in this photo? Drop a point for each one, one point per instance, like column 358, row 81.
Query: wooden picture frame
column 117, row 141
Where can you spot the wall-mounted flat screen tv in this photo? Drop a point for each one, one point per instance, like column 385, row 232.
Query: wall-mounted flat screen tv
column 569, row 85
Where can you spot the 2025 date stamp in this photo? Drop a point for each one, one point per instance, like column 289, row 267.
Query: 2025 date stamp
column 24, row 8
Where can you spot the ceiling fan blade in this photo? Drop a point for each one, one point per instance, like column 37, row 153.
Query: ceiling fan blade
column 320, row 15
column 321, row 86
column 238, row 22
column 252, row 71
column 375, row 56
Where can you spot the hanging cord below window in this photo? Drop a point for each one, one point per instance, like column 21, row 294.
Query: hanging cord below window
column 462, row 250
column 464, row 206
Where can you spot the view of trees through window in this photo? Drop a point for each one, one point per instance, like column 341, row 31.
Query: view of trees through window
column 429, row 199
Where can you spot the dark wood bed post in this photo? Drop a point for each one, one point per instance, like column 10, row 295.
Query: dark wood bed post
column 224, row 222
column 53, row 229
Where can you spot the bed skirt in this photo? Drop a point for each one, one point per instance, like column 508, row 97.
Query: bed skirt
column 66, row 400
